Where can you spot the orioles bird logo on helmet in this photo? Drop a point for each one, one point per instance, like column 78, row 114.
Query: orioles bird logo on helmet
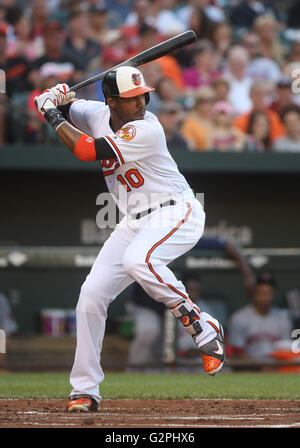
column 136, row 79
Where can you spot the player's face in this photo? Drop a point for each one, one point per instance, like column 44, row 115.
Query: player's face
column 129, row 109
column 263, row 296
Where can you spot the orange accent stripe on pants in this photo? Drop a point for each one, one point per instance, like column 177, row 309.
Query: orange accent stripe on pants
column 162, row 241
column 213, row 325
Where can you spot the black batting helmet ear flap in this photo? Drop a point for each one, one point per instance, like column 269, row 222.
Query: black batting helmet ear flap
column 109, row 84
column 125, row 82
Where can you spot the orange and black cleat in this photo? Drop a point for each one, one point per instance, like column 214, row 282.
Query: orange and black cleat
column 84, row 403
column 213, row 353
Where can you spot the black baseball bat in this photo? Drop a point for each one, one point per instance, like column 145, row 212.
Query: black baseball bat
column 159, row 50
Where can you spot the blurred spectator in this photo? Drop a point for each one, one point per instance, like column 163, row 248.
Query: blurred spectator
column 201, row 16
column 221, row 87
column 118, row 11
column 22, row 43
column 283, row 95
column 195, row 16
column 267, row 28
column 114, row 51
column 256, row 329
column 168, row 91
column 258, row 98
column 239, row 82
column 259, row 67
column 290, row 142
column 15, row 67
column 106, row 32
column 140, row 13
column 170, row 117
column 148, row 37
column 224, row 136
column 222, row 39
column 258, row 132
column 264, row 69
column 54, row 40
column 164, row 18
column 98, row 24
column 251, row 41
column 40, row 17
column 7, row 320
column 2, row 13
column 197, row 126
column 205, row 67
column 153, row 74
column 246, row 11
column 78, row 46
column 53, row 5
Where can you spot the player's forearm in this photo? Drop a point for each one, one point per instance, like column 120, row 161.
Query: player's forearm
column 80, row 144
column 69, row 135
column 83, row 146
column 51, row 104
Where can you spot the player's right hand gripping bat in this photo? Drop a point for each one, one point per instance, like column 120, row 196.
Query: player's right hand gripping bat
column 163, row 48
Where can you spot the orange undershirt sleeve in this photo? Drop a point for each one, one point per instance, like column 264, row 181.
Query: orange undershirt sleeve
column 85, row 148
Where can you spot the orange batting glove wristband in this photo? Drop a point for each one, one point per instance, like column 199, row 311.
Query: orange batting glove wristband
column 85, row 148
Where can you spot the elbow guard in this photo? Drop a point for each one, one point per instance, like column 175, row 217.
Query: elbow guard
column 89, row 149
column 85, row 148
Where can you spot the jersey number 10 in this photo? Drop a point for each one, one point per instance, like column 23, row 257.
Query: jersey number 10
column 133, row 178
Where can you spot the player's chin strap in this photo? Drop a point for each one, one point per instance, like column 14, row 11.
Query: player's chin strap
column 189, row 315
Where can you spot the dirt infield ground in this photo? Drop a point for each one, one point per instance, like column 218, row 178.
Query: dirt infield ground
column 51, row 413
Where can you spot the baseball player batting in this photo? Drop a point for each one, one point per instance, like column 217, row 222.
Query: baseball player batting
column 165, row 222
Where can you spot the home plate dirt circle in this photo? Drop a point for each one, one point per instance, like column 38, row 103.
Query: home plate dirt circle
column 187, row 413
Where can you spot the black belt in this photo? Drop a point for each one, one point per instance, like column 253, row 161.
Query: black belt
column 146, row 212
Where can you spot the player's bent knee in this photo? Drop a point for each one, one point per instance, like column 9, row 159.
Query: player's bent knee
column 92, row 301
column 133, row 263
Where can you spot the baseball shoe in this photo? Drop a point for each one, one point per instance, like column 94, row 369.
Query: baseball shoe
column 213, row 352
column 84, row 403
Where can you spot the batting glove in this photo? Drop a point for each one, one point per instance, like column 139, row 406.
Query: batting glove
column 47, row 100
column 46, row 104
column 62, row 94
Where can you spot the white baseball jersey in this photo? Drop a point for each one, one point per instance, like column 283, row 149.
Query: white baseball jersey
column 143, row 163
column 258, row 334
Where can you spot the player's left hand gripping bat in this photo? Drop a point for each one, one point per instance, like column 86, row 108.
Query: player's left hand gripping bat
column 159, row 50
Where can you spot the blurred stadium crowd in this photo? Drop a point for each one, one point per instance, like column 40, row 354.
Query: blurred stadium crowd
column 235, row 89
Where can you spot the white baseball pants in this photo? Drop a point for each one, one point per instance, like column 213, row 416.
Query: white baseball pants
column 137, row 250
